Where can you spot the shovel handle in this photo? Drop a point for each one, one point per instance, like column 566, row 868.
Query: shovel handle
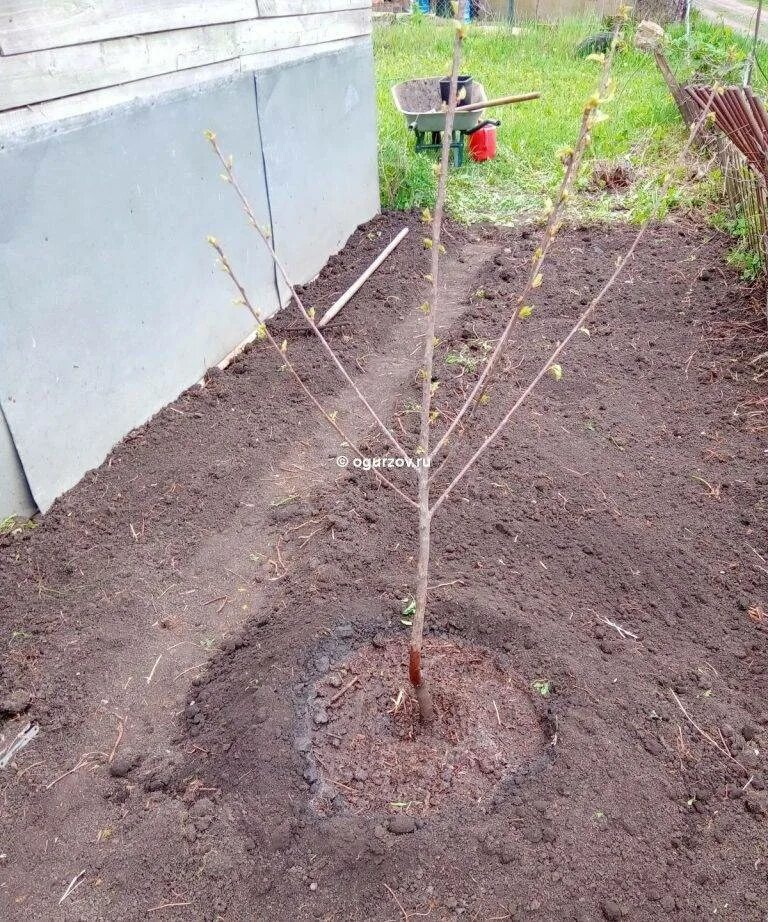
column 501, row 101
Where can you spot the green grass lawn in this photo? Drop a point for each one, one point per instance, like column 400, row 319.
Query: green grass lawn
column 644, row 125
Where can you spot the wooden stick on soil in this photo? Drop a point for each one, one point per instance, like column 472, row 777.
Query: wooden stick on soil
column 120, row 731
column 82, row 762
column 73, row 885
column 153, row 669
column 407, row 916
column 176, row 905
column 721, row 747
column 356, row 286
column 266, row 334
column 343, row 690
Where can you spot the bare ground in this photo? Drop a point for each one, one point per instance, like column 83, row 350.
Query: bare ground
column 170, row 621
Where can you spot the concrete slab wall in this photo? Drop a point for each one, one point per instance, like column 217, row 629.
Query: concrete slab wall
column 120, row 306
column 110, row 304
column 15, row 498
column 317, row 120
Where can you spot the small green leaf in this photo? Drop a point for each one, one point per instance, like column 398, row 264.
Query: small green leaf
column 556, row 371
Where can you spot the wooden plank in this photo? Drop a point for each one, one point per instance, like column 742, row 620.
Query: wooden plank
column 43, row 75
column 31, row 25
column 46, row 114
column 254, row 62
column 269, row 8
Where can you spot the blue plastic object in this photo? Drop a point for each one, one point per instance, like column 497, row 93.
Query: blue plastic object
column 425, row 7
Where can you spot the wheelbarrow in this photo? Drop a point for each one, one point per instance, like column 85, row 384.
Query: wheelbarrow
column 421, row 104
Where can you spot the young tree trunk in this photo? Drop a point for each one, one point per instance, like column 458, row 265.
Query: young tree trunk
column 415, row 673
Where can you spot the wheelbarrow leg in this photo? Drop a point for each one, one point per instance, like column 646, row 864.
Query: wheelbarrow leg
column 458, row 148
column 457, row 143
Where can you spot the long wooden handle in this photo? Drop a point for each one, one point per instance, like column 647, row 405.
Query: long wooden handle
column 354, row 288
column 502, row 101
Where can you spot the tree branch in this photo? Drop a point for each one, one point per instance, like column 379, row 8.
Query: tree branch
column 308, row 315
column 551, row 229
column 264, row 333
column 620, row 263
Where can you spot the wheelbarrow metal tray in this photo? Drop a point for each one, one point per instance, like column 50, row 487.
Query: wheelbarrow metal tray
column 419, row 101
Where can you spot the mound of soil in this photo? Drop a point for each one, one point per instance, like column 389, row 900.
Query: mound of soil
column 369, row 752
column 174, row 622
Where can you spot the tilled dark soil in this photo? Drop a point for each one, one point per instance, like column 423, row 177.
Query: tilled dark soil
column 609, row 551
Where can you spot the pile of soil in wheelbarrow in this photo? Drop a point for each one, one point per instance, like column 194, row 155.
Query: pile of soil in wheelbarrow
column 210, row 629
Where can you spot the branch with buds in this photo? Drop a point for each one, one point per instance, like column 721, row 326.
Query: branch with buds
column 592, row 115
column 262, row 332
column 308, row 314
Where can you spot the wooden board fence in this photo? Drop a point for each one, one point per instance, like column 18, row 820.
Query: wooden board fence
column 67, row 57
column 31, row 25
